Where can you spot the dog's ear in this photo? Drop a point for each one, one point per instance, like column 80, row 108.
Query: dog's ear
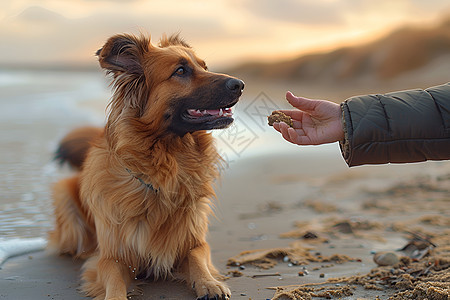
column 123, row 53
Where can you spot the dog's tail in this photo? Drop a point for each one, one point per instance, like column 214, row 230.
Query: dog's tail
column 74, row 147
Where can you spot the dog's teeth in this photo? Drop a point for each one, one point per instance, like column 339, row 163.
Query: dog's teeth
column 220, row 112
column 198, row 111
column 204, row 112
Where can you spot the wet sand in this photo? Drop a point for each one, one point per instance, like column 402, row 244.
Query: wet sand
column 303, row 208
column 271, row 201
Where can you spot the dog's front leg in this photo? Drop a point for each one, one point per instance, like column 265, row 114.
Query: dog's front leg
column 199, row 272
column 114, row 277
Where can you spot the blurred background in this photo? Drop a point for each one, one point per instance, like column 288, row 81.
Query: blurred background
column 348, row 46
column 332, row 49
column 52, row 33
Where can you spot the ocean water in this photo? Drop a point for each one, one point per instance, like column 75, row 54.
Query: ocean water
column 38, row 107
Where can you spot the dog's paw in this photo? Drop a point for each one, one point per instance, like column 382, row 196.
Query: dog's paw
column 216, row 297
column 211, row 290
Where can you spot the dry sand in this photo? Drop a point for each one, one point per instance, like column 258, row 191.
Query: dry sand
column 308, row 213
column 286, row 214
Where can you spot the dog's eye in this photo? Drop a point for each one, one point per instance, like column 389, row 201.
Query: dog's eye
column 180, row 71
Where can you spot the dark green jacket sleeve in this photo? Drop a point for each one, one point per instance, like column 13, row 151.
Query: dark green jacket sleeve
column 400, row 127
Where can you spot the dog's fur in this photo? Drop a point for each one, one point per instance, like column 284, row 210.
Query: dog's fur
column 139, row 205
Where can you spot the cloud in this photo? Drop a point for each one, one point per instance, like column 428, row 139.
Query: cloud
column 225, row 30
column 431, row 5
column 294, row 11
column 113, row 1
column 336, row 12
column 38, row 14
column 40, row 35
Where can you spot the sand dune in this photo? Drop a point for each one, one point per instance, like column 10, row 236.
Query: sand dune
column 405, row 50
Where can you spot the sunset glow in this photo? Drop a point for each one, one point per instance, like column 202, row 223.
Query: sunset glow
column 224, row 32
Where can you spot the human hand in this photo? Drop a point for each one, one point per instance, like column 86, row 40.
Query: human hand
column 315, row 122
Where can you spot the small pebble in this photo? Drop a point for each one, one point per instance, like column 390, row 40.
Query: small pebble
column 251, row 226
column 322, row 275
column 386, row 258
column 310, row 235
column 243, row 294
column 286, row 258
column 242, row 267
column 301, row 273
column 290, row 265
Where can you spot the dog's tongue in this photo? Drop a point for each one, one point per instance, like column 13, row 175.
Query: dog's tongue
column 226, row 112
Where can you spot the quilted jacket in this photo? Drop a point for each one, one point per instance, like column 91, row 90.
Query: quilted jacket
column 399, row 127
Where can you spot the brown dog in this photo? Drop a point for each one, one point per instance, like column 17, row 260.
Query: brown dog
column 139, row 206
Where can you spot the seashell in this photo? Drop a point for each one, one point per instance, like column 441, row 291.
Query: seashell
column 386, row 258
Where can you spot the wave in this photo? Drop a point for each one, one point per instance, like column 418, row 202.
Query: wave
column 14, row 247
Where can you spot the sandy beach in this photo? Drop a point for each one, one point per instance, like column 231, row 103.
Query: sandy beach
column 262, row 198
column 291, row 222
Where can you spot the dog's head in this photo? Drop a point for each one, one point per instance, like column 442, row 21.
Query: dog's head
column 167, row 86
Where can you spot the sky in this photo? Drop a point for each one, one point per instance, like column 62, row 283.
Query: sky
column 223, row 32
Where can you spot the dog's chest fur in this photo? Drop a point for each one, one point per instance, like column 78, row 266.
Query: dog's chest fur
column 152, row 230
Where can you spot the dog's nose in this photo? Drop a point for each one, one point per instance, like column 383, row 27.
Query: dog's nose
column 235, row 85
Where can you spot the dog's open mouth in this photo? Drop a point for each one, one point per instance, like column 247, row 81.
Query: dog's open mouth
column 205, row 111
column 207, row 115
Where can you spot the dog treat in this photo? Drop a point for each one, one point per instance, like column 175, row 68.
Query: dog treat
column 278, row 116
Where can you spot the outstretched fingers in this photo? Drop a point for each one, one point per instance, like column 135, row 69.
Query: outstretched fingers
column 281, row 127
column 293, row 135
column 301, row 103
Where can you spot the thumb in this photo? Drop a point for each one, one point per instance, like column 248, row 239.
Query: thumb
column 301, row 103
